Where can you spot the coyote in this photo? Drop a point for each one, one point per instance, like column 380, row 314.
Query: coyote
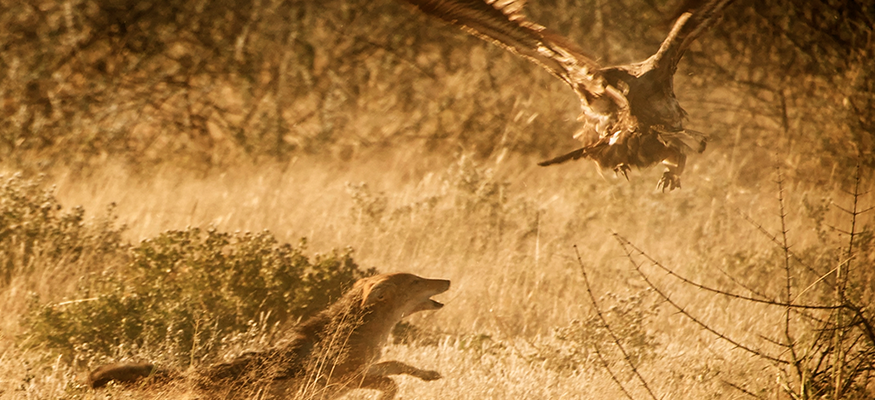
column 335, row 351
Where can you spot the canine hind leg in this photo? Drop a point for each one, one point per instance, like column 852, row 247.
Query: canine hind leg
column 381, row 383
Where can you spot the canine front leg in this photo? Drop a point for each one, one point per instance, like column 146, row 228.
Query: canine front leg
column 126, row 373
column 398, row 368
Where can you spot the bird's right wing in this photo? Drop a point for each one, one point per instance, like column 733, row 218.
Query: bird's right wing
column 503, row 23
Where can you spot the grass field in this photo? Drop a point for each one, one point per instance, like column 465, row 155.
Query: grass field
column 518, row 322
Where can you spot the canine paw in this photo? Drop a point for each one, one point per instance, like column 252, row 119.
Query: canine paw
column 428, row 375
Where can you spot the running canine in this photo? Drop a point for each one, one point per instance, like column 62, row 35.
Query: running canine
column 335, row 351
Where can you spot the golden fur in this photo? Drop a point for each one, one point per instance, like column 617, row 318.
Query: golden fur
column 329, row 354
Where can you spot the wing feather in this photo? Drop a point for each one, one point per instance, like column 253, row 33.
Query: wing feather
column 503, row 23
column 689, row 26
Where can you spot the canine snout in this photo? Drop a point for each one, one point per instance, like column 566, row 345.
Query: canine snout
column 441, row 285
column 437, row 286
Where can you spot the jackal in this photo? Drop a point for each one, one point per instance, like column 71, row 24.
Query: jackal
column 335, row 351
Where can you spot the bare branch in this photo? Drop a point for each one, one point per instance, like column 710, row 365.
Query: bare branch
column 610, row 331
column 683, row 311
column 741, row 389
column 790, row 341
column 719, row 291
column 611, row 372
column 775, row 240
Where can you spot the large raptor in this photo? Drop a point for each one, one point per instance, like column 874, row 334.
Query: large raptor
column 630, row 113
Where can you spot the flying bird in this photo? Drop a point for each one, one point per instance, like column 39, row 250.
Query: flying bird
column 631, row 117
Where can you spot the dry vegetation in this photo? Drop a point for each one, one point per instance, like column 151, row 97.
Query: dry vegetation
column 392, row 146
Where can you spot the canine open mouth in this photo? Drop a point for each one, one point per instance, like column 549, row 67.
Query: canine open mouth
column 438, row 286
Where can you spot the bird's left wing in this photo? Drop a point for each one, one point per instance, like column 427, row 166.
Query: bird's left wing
column 696, row 17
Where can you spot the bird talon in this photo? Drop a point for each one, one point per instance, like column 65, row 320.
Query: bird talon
column 669, row 181
column 622, row 169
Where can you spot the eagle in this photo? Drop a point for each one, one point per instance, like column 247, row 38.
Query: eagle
column 631, row 117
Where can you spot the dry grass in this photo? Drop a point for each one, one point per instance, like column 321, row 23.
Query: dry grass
column 387, row 90
column 503, row 232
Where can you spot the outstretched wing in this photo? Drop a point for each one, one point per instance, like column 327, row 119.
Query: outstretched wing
column 502, row 22
column 640, row 125
column 693, row 18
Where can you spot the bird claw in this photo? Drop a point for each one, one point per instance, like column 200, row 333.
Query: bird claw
column 670, row 181
column 622, row 169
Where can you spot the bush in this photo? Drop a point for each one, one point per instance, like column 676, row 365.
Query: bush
column 35, row 233
column 581, row 340
column 184, row 291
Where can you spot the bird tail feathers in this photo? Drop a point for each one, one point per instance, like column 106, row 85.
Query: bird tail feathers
column 574, row 155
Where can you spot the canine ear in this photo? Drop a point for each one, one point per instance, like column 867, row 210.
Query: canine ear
column 362, row 286
column 376, row 292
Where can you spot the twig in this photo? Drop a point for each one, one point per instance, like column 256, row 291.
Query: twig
column 842, row 275
column 697, row 285
column 775, row 240
column 68, row 302
column 611, row 332
column 741, row 284
column 800, row 366
column 683, row 311
column 741, row 389
column 611, row 372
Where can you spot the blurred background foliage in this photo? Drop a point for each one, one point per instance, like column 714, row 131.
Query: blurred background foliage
column 215, row 81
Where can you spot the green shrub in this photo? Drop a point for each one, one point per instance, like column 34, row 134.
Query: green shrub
column 184, row 291
column 35, row 233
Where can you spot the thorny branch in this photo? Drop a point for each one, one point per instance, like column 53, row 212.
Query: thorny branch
column 833, row 355
column 628, row 248
column 611, row 332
